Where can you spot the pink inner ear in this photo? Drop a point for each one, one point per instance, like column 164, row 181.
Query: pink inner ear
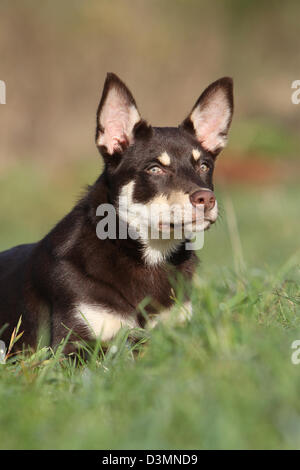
column 118, row 118
column 211, row 120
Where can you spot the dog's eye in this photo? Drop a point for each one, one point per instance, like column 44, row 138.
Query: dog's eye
column 155, row 170
column 204, row 167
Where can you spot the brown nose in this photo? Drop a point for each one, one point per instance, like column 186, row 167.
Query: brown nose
column 205, row 197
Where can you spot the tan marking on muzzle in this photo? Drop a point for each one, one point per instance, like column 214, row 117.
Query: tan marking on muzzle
column 175, row 197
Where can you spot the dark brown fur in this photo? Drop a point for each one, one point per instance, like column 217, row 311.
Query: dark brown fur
column 43, row 281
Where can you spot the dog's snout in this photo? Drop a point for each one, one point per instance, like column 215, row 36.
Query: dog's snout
column 205, row 197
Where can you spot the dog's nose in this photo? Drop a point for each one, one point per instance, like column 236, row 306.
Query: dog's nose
column 205, row 197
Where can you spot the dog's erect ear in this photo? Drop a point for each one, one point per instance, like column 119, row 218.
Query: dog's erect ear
column 117, row 117
column 211, row 116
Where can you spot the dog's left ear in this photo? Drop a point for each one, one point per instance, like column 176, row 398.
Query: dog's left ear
column 211, row 116
column 118, row 119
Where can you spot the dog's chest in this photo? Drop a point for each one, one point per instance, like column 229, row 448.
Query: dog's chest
column 122, row 285
column 153, row 284
column 106, row 310
column 114, row 286
column 96, row 320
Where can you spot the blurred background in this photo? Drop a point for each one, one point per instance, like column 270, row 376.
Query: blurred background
column 185, row 392
column 54, row 58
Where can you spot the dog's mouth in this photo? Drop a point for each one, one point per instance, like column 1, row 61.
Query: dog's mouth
column 177, row 219
column 186, row 223
column 193, row 225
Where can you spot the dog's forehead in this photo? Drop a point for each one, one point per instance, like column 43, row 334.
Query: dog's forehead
column 172, row 142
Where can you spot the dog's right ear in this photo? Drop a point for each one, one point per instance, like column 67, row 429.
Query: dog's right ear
column 118, row 119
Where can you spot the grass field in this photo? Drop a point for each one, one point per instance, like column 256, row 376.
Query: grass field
column 225, row 380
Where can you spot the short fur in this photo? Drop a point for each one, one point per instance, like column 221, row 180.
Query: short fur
column 71, row 269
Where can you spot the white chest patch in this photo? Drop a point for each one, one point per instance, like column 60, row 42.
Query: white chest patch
column 102, row 322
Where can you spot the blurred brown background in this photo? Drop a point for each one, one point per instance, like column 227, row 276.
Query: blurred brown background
column 55, row 55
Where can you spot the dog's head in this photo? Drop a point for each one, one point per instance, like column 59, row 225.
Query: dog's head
column 164, row 167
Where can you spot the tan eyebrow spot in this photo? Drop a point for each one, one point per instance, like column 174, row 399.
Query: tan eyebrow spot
column 196, row 154
column 165, row 159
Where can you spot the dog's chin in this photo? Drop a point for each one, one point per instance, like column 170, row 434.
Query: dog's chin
column 208, row 223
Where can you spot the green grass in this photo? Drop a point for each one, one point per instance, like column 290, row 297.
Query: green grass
column 225, row 380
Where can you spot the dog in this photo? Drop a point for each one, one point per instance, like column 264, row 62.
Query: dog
column 78, row 280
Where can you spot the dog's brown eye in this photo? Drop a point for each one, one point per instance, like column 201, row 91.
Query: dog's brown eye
column 204, row 168
column 155, row 170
